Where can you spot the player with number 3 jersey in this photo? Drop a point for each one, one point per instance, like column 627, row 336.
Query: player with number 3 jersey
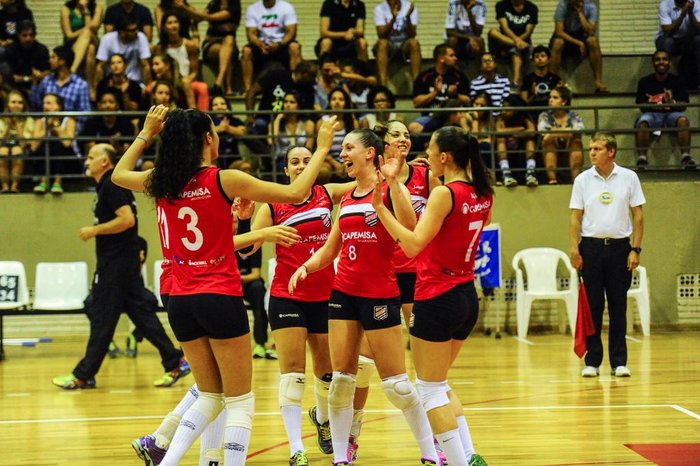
column 206, row 308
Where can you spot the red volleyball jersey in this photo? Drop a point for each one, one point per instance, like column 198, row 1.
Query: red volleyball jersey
column 198, row 231
column 418, row 184
column 166, row 276
column 449, row 258
column 366, row 266
column 312, row 220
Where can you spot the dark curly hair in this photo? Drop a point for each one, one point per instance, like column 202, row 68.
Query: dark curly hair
column 465, row 150
column 180, row 153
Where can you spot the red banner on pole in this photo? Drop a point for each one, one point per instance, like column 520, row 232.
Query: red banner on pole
column 584, row 322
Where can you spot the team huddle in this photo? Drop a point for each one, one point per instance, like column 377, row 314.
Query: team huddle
column 402, row 241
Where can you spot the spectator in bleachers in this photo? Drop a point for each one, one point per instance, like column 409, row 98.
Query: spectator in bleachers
column 188, row 28
column 658, row 89
column 131, row 11
column 272, row 86
column 397, row 25
column 163, row 94
column 489, row 81
column 269, row 40
column 55, row 134
column 338, row 100
column 13, row 12
column 27, row 58
column 133, row 45
column 438, row 120
column 15, row 132
column 538, row 84
column 575, row 34
column 73, row 89
column 679, row 29
column 342, row 30
column 516, row 20
column 382, row 99
column 219, row 46
column 464, row 25
column 290, row 129
column 165, row 68
column 357, row 81
column 80, row 22
column 482, row 126
column 186, row 53
column 229, row 128
column 111, row 129
column 520, row 142
column 559, row 126
column 132, row 92
column 438, row 84
column 328, row 79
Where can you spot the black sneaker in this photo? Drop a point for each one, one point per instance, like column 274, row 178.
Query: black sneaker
column 642, row 162
column 687, row 163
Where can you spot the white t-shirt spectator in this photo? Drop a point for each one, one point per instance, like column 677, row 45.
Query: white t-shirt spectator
column 669, row 12
column 133, row 52
column 271, row 23
column 458, row 19
column 399, row 33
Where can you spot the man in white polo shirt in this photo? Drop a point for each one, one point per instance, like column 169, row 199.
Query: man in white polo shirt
column 605, row 246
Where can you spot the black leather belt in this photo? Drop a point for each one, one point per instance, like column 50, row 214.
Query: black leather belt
column 605, row 241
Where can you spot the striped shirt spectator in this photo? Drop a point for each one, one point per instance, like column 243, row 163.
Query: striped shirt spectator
column 490, row 82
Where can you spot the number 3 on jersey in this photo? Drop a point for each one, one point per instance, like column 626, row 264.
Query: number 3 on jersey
column 190, row 216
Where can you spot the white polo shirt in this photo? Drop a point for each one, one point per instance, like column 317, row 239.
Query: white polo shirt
column 606, row 203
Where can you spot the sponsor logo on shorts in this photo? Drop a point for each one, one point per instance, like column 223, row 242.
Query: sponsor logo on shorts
column 335, row 305
column 381, row 312
column 412, row 320
column 233, row 446
column 293, row 315
column 371, row 218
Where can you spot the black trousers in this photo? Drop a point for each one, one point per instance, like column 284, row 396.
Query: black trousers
column 118, row 287
column 606, row 276
column 254, row 293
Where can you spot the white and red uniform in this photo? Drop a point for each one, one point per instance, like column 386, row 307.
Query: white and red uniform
column 312, row 220
column 449, row 258
column 198, row 231
column 366, row 266
column 418, row 184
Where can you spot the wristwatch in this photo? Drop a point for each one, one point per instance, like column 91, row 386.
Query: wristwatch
column 638, row 250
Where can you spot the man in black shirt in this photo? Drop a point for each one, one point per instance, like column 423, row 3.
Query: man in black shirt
column 342, row 30
column 537, row 85
column 117, row 285
column 129, row 10
column 26, row 60
column 658, row 89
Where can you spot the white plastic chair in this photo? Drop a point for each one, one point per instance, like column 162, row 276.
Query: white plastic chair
column 13, row 285
column 541, row 267
column 640, row 294
column 157, row 272
column 271, row 266
column 60, row 285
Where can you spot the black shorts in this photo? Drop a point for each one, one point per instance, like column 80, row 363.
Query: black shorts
column 407, row 286
column 372, row 313
column 210, row 315
column 341, row 48
column 571, row 50
column 449, row 316
column 287, row 313
column 281, row 56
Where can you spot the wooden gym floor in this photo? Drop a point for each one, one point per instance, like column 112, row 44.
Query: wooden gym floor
column 524, row 400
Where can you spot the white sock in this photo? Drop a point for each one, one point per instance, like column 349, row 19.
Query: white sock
column 240, row 437
column 420, row 426
column 321, row 388
column 340, row 422
column 505, row 166
column 465, row 436
column 165, row 432
column 530, row 164
column 291, row 416
column 452, row 447
column 213, row 435
column 357, row 416
column 191, row 426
